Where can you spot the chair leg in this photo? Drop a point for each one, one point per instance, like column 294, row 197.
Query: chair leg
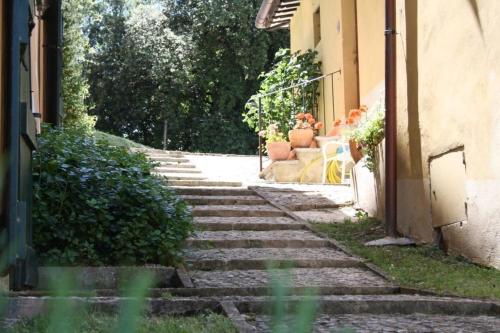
column 325, row 166
column 343, row 172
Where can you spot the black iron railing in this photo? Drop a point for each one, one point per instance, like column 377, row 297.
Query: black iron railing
column 300, row 89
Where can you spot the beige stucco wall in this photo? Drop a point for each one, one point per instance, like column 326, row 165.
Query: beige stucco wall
column 449, row 87
column 448, row 64
column 2, row 73
column 337, row 50
column 371, row 48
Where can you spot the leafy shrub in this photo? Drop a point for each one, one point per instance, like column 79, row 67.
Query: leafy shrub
column 370, row 132
column 289, row 70
column 95, row 204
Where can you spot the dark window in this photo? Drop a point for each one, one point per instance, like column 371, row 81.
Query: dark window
column 317, row 26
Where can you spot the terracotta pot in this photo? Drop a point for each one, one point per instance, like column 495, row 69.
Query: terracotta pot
column 278, row 151
column 355, row 151
column 301, row 138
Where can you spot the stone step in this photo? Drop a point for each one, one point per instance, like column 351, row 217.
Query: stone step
column 176, row 170
column 357, row 278
column 256, row 239
column 175, row 166
column 179, row 176
column 203, row 183
column 209, row 191
column 166, row 154
column 171, row 159
column 403, row 304
column 261, row 258
column 152, row 151
column 237, row 210
column 384, row 323
column 214, row 223
column 223, row 200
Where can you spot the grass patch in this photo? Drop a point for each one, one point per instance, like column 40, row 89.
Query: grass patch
column 117, row 141
column 101, row 323
column 422, row 267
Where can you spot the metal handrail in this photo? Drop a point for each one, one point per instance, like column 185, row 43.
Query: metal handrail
column 304, row 83
column 281, row 90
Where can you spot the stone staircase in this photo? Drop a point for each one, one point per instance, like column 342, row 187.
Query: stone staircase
column 242, row 233
column 178, row 170
column 246, row 239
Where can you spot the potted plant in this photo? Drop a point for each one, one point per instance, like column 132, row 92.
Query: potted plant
column 302, row 134
column 347, row 128
column 278, row 149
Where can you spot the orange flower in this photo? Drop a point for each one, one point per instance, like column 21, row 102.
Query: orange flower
column 337, row 122
column 350, row 121
column 300, row 116
column 354, row 113
column 311, row 121
column 318, row 125
column 308, row 116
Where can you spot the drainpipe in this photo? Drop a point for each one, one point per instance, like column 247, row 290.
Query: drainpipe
column 390, row 120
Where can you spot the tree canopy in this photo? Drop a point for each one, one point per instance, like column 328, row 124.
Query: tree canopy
column 190, row 64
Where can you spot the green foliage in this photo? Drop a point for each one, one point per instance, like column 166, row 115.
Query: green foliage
column 117, row 141
column 95, row 204
column 420, row 267
column 281, row 108
column 369, row 133
column 272, row 134
column 193, row 63
column 136, row 72
column 75, row 88
column 92, row 322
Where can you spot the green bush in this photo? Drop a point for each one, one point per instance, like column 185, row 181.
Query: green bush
column 99, row 205
column 370, row 132
column 289, row 70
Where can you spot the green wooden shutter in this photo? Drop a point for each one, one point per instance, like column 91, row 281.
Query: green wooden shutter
column 22, row 141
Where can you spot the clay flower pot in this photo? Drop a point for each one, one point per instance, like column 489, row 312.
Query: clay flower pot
column 301, row 138
column 278, row 151
column 355, row 151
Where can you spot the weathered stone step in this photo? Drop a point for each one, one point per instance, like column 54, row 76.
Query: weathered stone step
column 152, row 151
column 223, row 200
column 204, row 183
column 237, row 210
column 299, row 277
column 256, row 239
column 176, row 170
column 209, row 191
column 367, row 323
column 179, row 176
column 403, row 304
column 168, row 165
column 161, row 155
column 171, row 159
column 214, row 223
column 261, row 258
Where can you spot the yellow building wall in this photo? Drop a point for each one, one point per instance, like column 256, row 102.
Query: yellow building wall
column 448, row 82
column 371, row 49
column 336, row 50
column 448, row 92
column 2, row 75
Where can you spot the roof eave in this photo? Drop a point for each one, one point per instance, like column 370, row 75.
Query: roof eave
column 276, row 14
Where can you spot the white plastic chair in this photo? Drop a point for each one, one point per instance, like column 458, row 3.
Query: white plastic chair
column 343, row 158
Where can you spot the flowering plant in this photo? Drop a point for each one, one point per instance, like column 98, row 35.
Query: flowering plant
column 272, row 134
column 346, row 128
column 306, row 120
